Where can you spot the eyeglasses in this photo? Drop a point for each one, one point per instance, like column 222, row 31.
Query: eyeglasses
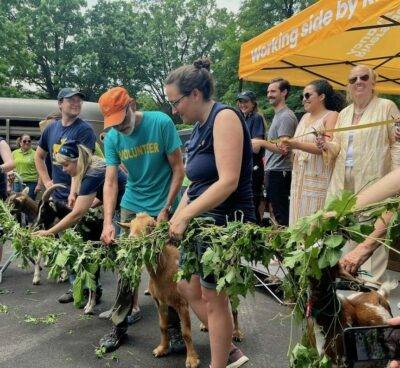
column 364, row 78
column 306, row 96
column 26, row 141
column 174, row 104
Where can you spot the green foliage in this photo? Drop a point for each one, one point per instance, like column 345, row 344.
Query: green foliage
column 49, row 319
column 307, row 357
column 4, row 309
column 313, row 244
column 100, row 352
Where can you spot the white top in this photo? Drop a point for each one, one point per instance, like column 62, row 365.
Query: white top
column 349, row 154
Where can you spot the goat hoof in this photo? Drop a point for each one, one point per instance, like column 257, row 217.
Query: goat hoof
column 203, row 328
column 192, row 362
column 36, row 281
column 160, row 351
column 88, row 311
column 238, row 336
column 63, row 277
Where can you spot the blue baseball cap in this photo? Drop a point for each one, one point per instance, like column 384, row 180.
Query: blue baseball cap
column 246, row 96
column 69, row 92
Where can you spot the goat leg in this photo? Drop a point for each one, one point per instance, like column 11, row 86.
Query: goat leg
column 34, row 263
column 89, row 307
column 36, row 274
column 63, row 276
column 162, row 348
column 237, row 334
column 192, row 359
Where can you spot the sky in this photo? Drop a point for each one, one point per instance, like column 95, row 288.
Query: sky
column 232, row 5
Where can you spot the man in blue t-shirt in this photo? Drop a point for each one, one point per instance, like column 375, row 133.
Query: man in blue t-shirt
column 69, row 127
column 148, row 145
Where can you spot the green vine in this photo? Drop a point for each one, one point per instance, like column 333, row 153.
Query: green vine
column 313, row 244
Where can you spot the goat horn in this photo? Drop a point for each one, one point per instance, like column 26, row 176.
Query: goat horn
column 48, row 192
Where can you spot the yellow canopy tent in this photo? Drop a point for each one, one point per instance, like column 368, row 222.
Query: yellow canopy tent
column 325, row 41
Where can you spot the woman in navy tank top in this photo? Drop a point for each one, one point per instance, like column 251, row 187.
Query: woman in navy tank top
column 219, row 166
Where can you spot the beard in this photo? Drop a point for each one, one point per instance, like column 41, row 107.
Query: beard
column 131, row 128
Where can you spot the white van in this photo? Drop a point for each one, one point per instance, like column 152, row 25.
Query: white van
column 22, row 115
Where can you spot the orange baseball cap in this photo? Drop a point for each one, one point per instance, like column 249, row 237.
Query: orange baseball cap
column 113, row 105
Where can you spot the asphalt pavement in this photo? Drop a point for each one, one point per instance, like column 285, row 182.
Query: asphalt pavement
column 71, row 341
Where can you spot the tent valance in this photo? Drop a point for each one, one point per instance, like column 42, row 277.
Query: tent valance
column 325, row 41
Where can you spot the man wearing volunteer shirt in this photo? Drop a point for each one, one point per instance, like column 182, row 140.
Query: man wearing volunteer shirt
column 148, row 145
column 278, row 166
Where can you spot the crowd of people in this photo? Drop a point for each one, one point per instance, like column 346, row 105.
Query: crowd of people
column 232, row 167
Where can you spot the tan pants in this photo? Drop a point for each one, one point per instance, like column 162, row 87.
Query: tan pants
column 376, row 265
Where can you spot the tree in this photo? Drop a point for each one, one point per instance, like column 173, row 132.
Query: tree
column 44, row 32
column 177, row 32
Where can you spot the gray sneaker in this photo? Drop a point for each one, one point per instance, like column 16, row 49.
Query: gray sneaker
column 66, row 298
column 106, row 314
column 236, row 358
column 134, row 317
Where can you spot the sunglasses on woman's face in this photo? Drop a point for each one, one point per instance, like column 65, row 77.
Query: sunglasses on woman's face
column 306, row 96
column 364, row 78
column 26, row 141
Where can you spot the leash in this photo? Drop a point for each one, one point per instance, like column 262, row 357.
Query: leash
column 341, row 129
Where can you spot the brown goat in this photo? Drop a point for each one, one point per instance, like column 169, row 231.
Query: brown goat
column 164, row 291
column 335, row 312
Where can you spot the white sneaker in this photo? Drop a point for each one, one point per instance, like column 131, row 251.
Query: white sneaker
column 106, row 314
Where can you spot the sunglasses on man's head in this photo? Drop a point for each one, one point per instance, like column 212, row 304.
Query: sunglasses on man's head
column 364, row 78
column 26, row 141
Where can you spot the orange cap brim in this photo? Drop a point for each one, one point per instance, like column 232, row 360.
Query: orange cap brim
column 114, row 119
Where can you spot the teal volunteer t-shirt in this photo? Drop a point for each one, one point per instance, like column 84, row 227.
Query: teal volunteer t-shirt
column 144, row 154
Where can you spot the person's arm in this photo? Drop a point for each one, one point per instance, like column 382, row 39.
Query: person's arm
column 293, row 143
column 40, row 156
column 81, row 207
column 228, row 147
column 353, row 260
column 182, row 204
column 6, row 156
column 73, row 193
column 110, row 195
column 386, row 187
column 178, row 173
column 257, row 144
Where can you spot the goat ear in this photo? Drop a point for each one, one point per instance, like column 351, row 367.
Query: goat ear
column 25, row 191
column 124, row 225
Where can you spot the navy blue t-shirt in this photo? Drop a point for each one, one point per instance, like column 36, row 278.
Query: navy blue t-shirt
column 201, row 170
column 50, row 141
column 93, row 182
column 3, row 180
column 256, row 127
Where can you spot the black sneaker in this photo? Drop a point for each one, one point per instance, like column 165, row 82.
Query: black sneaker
column 66, row 298
column 176, row 343
column 113, row 340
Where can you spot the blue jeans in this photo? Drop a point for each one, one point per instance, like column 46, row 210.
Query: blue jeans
column 18, row 187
